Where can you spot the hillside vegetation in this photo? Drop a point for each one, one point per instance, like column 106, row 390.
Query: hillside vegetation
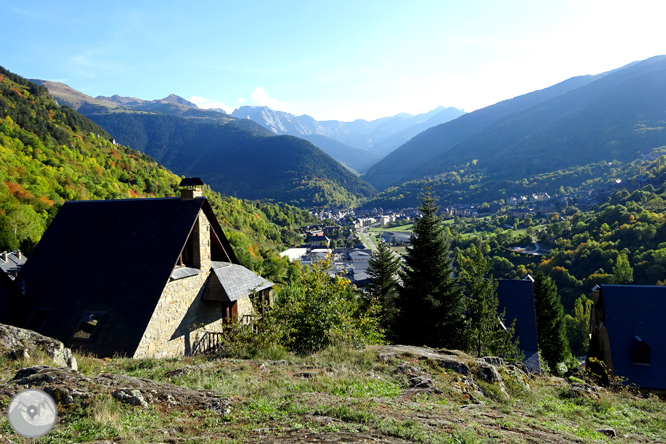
column 236, row 157
column 617, row 116
column 378, row 394
column 397, row 167
column 51, row 154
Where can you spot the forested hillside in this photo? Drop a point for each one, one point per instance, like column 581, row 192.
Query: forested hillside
column 397, row 167
column 238, row 162
column 236, row 157
column 568, row 141
column 50, row 154
column 618, row 116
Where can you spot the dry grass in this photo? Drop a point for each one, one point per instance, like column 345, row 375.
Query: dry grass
column 341, row 393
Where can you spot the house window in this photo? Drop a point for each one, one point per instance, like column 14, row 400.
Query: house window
column 186, row 258
column 88, row 326
column 38, row 319
column 640, row 351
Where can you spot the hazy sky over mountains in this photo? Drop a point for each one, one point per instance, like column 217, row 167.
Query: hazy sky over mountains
column 330, row 59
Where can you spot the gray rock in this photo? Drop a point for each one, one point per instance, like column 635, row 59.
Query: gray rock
column 488, row 372
column 19, row 343
column 131, row 397
column 494, row 360
column 452, row 363
column 67, row 386
column 607, row 431
column 578, row 390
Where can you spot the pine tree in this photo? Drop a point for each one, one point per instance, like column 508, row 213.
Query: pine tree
column 383, row 269
column 488, row 334
column 551, row 329
column 431, row 302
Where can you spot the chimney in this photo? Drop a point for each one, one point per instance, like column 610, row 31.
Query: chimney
column 4, row 256
column 191, row 188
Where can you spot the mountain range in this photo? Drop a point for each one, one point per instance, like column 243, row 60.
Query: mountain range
column 358, row 144
column 236, row 157
column 617, row 115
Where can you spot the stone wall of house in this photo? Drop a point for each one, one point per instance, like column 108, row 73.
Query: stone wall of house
column 245, row 308
column 181, row 316
column 180, row 319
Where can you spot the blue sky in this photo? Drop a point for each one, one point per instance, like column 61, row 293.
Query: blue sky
column 330, row 59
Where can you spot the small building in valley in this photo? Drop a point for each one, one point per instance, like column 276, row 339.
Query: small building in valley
column 628, row 333
column 136, row 277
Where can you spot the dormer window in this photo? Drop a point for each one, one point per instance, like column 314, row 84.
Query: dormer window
column 88, row 326
column 186, row 258
column 640, row 351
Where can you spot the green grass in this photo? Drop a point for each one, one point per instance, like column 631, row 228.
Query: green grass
column 345, row 390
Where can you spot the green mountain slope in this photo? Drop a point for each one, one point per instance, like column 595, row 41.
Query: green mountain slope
column 50, row 154
column 239, row 158
column 234, row 156
column 616, row 117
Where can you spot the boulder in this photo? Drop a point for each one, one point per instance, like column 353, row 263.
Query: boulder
column 19, row 343
column 453, row 363
column 578, row 390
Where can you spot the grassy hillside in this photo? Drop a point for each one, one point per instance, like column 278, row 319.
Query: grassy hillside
column 338, row 395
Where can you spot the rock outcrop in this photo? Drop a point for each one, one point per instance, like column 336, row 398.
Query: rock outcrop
column 465, row 370
column 19, row 343
column 67, row 386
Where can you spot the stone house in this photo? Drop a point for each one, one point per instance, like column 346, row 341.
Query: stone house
column 136, row 277
column 628, row 333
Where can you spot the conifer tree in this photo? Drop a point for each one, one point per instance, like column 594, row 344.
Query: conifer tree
column 431, row 302
column 383, row 269
column 488, row 334
column 551, row 329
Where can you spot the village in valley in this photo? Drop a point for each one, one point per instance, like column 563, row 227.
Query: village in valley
column 350, row 236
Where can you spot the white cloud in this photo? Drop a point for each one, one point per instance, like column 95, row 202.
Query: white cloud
column 241, row 100
column 208, row 104
column 260, row 96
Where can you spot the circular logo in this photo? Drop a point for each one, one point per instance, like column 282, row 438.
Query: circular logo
column 32, row 413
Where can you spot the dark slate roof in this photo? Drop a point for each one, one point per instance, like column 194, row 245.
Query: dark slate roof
column 113, row 257
column 191, row 182
column 636, row 310
column 517, row 297
column 237, row 281
column 10, row 299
